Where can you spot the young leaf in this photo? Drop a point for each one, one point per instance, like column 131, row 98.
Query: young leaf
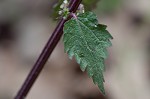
column 87, row 40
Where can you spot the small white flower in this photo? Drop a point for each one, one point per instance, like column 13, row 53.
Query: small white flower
column 83, row 11
column 81, row 8
column 62, row 6
column 60, row 12
column 65, row 1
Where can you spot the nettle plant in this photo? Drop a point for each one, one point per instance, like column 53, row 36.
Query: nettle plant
column 83, row 37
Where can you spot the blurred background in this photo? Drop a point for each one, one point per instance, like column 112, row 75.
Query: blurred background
column 26, row 25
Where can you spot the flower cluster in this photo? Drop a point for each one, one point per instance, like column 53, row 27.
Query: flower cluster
column 64, row 9
column 80, row 9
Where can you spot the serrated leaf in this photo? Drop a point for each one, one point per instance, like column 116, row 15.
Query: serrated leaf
column 87, row 40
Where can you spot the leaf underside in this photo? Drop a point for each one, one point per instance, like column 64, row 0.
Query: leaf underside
column 87, row 40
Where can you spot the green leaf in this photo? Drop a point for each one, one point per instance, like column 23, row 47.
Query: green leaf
column 87, row 40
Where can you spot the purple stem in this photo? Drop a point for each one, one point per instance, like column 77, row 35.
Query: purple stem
column 49, row 47
column 73, row 15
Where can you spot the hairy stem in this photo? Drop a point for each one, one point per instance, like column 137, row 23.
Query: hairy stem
column 49, row 47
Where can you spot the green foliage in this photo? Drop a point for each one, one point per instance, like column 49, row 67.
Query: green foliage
column 87, row 40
